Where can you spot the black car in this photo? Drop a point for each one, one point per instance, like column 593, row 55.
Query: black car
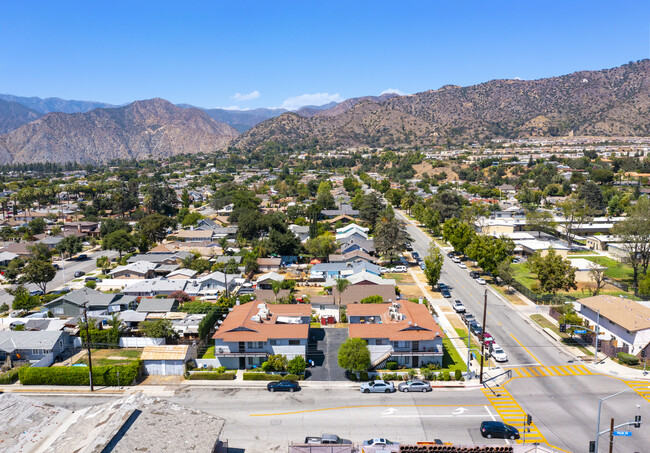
column 79, row 274
column 283, row 386
column 492, row 429
column 445, row 293
column 451, row 254
column 92, row 279
column 415, row 255
column 476, row 328
column 474, row 274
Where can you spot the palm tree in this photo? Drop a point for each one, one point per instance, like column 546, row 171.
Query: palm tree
column 341, row 285
column 276, row 286
column 103, row 263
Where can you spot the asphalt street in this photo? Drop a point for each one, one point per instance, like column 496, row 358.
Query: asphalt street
column 68, row 269
column 564, row 407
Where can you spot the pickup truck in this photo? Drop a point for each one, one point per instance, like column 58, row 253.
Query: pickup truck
column 327, row 439
column 459, row 307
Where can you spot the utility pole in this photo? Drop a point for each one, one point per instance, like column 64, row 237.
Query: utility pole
column 482, row 338
column 611, row 436
column 469, row 353
column 90, row 360
column 596, row 346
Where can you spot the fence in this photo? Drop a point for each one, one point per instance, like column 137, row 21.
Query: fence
column 540, row 299
column 46, row 361
column 140, row 342
column 620, row 285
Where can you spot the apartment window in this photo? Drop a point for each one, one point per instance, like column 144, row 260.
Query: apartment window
column 380, row 342
column 294, row 342
column 255, row 345
column 274, row 342
column 57, row 311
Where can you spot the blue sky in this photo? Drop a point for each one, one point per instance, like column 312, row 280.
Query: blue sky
column 275, row 53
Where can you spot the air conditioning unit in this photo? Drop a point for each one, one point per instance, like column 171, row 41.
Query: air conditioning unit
column 256, row 319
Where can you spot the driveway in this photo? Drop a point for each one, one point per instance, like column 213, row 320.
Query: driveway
column 323, row 350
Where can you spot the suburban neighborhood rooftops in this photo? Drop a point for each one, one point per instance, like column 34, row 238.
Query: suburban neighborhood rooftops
column 153, row 305
column 626, row 313
column 16, row 340
column 411, row 322
column 240, row 326
column 165, row 352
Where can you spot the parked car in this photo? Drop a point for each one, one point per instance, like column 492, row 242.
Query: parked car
column 475, row 328
column 378, row 441
column 497, row 353
column 492, row 429
column 283, row 386
column 474, row 274
column 462, row 265
column 377, row 386
column 445, row 293
column 409, row 247
column 468, row 317
column 456, row 259
column 414, row 385
column 481, row 281
column 422, row 265
column 451, row 254
column 441, row 286
column 81, row 257
column 92, row 279
column 383, row 270
column 327, row 439
column 399, row 269
column 56, row 266
column 79, row 274
column 458, row 306
column 415, row 255
column 36, row 292
column 488, row 339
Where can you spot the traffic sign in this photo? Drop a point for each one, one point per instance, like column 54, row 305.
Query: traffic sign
column 623, row 433
column 580, row 331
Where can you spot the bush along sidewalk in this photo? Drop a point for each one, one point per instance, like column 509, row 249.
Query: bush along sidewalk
column 271, row 377
column 211, row 376
column 102, row 375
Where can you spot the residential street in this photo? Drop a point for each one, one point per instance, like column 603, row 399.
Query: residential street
column 70, row 268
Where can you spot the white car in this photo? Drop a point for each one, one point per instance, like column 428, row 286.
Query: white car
column 383, row 270
column 462, row 265
column 497, row 353
column 399, row 269
column 455, row 259
column 458, row 306
column 481, row 281
column 378, row 441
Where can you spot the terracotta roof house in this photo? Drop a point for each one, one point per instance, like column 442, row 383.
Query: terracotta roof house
column 253, row 331
column 269, row 264
column 402, row 331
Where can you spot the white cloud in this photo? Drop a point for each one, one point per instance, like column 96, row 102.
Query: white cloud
column 392, row 90
column 234, row 107
column 246, row 97
column 295, row 102
column 517, row 78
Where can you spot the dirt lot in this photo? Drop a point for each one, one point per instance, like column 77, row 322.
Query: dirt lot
column 113, row 356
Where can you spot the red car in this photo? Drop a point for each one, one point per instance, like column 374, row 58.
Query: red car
column 488, row 339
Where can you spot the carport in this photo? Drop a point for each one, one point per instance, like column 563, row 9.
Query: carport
column 167, row 360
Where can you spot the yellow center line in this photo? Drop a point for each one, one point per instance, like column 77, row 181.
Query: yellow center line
column 526, row 349
column 362, row 406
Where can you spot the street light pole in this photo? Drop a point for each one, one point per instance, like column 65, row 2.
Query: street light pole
column 482, row 337
column 90, row 360
column 597, row 329
column 600, row 403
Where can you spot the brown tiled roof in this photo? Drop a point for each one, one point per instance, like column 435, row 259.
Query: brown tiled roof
column 421, row 327
column 269, row 261
column 626, row 313
column 238, row 325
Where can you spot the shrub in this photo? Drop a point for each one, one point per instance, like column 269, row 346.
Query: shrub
column 446, row 376
column 261, row 377
column 11, row 376
column 363, row 376
column 391, row 365
column 211, row 376
column 627, row 359
column 221, row 369
column 372, row 300
column 458, row 375
column 290, row 377
column 102, row 375
column 353, row 377
column 297, row 365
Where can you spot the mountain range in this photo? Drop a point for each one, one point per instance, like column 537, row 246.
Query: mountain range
column 610, row 102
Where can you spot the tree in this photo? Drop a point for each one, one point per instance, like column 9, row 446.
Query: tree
column 284, row 243
column 39, row 251
column 354, row 355
column 575, row 213
column 180, row 296
column 191, row 218
column 154, row 226
column 326, row 200
column 597, row 274
column 37, row 225
column 489, row 251
column 22, row 299
column 297, row 365
column 103, row 262
column 158, row 328
column 376, row 299
column 634, row 232
column 433, row 265
column 185, row 198
column 553, row 272
column 110, row 225
column 70, row 246
column 40, row 273
column 504, row 272
column 250, row 223
column 119, row 240
column 14, row 269
column 341, row 285
column 540, row 221
column 458, row 234
column 313, row 211
column 391, row 237
column 276, row 286
column 321, row 246
column 593, row 197
column 371, row 208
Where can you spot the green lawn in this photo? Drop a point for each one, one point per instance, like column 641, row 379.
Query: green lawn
column 451, row 359
column 209, row 353
column 615, row 269
column 522, row 275
column 112, row 356
column 566, row 338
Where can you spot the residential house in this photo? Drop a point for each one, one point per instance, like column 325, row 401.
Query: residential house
column 72, row 304
column 302, row 232
column 269, row 264
column 138, row 270
column 193, row 235
column 584, row 268
column 355, row 293
column 154, row 287
column 161, row 258
column 344, row 210
column 181, row 274
column 626, row 323
column 90, row 229
column 7, row 257
column 404, row 332
column 358, row 244
column 32, row 345
column 253, row 331
column 212, row 284
column 153, row 305
column 342, row 269
column 264, row 281
column 351, row 231
column 166, row 360
column 353, row 256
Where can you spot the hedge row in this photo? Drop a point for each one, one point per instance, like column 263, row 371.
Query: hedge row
column 211, row 376
column 270, row 377
column 102, row 375
column 627, row 359
column 11, row 376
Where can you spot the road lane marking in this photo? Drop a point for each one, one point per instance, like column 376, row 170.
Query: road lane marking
column 514, row 415
column 435, row 416
column 361, row 406
column 641, row 388
column 526, row 349
column 551, row 371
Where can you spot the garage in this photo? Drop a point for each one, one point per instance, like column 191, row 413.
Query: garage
column 166, row 360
